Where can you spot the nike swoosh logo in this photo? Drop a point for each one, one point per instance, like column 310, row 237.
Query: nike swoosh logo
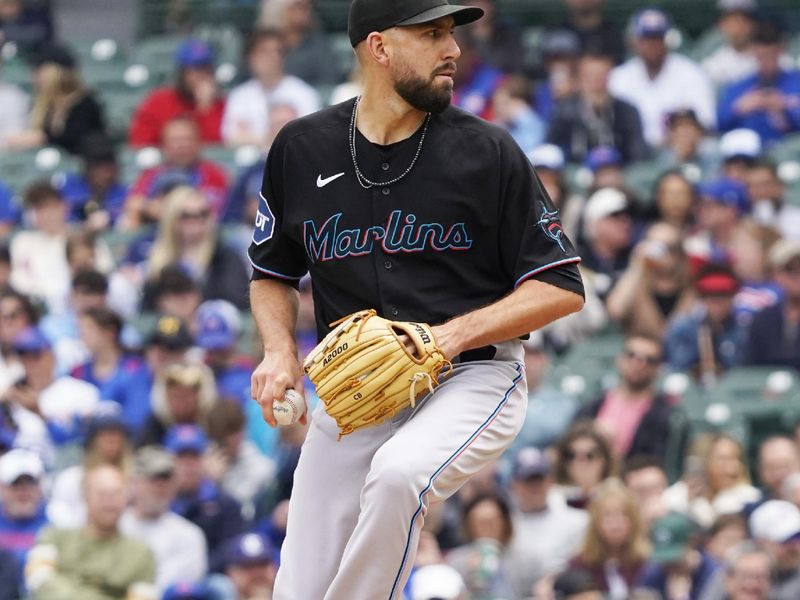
column 323, row 182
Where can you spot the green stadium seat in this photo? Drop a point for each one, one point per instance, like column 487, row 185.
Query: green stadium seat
column 222, row 155
column 119, row 108
column 157, row 54
column 705, row 45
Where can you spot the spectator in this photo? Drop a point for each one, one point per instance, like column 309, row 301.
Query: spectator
column 608, row 234
column 708, row 341
column 178, row 546
column 107, row 442
column 605, row 165
column 63, row 111
column 17, row 313
column 547, row 532
column 778, row 458
column 498, row 40
column 722, row 203
column 182, row 165
column 647, row 481
column 233, row 462
column 167, row 343
column 45, row 399
column 773, row 336
column 586, row 19
column 548, row 160
column 726, row 532
column 592, row 117
column 189, row 591
column 38, row 256
column 748, row 569
column 634, row 417
column 247, row 111
column 188, row 238
column 739, row 150
column 119, row 376
column 655, row 80
column 194, row 96
column 173, row 292
column 549, row 410
column 578, row 584
column 16, row 104
column 767, row 102
column 22, row 513
column 768, row 199
column 250, row 567
column 199, row 499
column 512, row 111
column 716, row 482
column 481, row 561
column 560, row 51
column 218, row 329
column 10, row 210
column 475, row 81
column 615, row 548
column 28, row 27
column 775, row 526
column 791, row 489
column 675, row 200
column 308, row 49
column 182, row 394
column 653, row 289
column 436, row 582
column 95, row 195
column 96, row 561
column 9, row 586
column 733, row 60
column 679, row 568
column 584, row 460
column 686, row 143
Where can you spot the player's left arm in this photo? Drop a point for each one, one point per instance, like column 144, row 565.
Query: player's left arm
column 531, row 306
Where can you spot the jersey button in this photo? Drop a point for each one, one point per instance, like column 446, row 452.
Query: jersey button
column 387, row 264
column 386, row 191
column 385, row 166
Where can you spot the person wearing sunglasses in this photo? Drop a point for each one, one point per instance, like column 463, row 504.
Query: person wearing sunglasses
column 633, row 414
column 584, row 459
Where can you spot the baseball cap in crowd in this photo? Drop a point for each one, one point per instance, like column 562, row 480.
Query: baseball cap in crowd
column 18, row 463
column 530, row 462
column 153, row 461
column 604, row 203
column 783, row 252
column 105, row 416
column 650, row 22
column 574, row 582
column 670, row 536
column 725, row 191
column 740, row 144
column 720, row 282
column 188, row 591
column 218, row 325
column 97, row 148
column 601, row 157
column 367, row 16
column 748, row 7
column 171, row 333
column 547, row 156
column 186, row 438
column 248, row 549
column 561, row 42
column 776, row 521
column 439, row 582
column 194, row 52
column 31, row 340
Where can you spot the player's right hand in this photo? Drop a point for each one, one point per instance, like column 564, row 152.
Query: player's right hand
column 277, row 372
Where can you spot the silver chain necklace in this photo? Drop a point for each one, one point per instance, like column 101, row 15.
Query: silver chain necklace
column 362, row 180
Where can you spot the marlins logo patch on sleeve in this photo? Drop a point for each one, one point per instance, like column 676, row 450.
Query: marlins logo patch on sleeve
column 265, row 222
column 551, row 225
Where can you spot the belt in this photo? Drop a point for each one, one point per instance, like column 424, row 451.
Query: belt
column 482, row 353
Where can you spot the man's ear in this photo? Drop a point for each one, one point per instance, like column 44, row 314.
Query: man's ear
column 377, row 45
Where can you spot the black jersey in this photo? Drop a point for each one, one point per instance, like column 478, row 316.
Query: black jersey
column 462, row 229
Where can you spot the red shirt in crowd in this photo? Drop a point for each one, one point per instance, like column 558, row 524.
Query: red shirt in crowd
column 165, row 104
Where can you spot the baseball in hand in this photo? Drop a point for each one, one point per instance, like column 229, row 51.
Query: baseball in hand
column 290, row 409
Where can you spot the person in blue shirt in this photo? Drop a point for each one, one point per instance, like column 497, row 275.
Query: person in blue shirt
column 95, row 195
column 22, row 508
column 10, row 212
column 769, row 101
column 199, row 499
column 119, row 376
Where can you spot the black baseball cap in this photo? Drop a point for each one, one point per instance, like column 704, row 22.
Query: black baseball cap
column 367, row 16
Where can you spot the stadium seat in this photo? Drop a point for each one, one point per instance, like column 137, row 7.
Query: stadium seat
column 119, row 107
column 157, row 54
column 705, row 45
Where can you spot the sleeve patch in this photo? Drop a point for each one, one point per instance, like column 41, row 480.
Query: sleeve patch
column 265, row 222
column 550, row 224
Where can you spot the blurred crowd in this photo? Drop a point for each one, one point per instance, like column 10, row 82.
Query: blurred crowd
column 133, row 462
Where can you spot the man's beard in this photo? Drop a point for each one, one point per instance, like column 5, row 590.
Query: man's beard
column 421, row 93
